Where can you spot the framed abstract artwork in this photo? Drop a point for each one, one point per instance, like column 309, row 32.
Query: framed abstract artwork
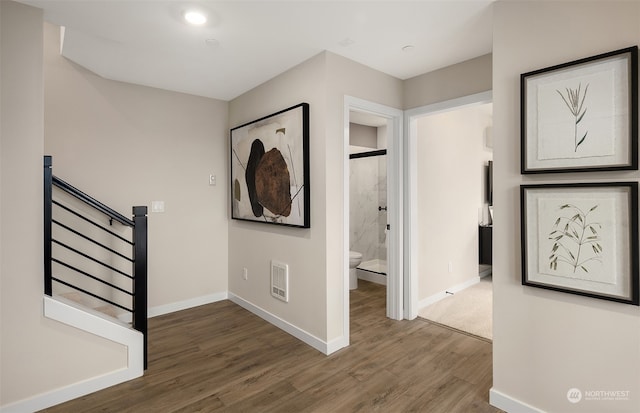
column 581, row 239
column 582, row 115
column 270, row 169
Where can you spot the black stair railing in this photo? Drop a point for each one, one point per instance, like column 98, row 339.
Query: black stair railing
column 135, row 289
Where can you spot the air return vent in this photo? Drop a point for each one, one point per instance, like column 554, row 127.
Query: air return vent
column 280, row 281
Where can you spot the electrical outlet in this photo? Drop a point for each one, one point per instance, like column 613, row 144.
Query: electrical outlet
column 245, row 274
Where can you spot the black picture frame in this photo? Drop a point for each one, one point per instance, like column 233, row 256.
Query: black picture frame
column 561, row 105
column 581, row 239
column 270, row 169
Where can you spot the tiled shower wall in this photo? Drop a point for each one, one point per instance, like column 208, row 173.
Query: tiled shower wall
column 368, row 191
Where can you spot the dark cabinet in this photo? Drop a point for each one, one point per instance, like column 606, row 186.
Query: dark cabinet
column 485, row 239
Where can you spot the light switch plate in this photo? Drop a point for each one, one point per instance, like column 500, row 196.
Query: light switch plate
column 157, row 206
column 212, row 180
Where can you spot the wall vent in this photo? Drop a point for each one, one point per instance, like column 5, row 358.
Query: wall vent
column 280, row 281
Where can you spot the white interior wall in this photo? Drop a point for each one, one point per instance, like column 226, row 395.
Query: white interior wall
column 345, row 78
column 362, row 135
column 461, row 79
column 546, row 342
column 130, row 145
column 451, row 161
column 423, row 94
column 316, row 304
column 37, row 354
column 253, row 245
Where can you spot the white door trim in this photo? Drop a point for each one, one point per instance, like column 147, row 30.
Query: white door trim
column 394, row 196
column 411, row 189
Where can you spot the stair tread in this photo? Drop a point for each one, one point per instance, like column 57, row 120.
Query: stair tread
column 107, row 309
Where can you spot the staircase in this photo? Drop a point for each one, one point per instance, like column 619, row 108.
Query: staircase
column 87, row 301
column 95, row 265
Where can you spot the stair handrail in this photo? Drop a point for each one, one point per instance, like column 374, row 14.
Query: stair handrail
column 139, row 245
column 92, row 202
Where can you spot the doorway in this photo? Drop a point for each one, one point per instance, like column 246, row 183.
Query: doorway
column 367, row 198
column 411, row 200
column 392, row 118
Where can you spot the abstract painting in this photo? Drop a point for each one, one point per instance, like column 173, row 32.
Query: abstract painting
column 270, row 169
column 581, row 115
column 581, row 238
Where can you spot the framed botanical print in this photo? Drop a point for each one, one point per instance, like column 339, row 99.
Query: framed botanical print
column 581, row 239
column 582, row 115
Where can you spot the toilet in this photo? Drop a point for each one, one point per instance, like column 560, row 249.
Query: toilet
column 355, row 258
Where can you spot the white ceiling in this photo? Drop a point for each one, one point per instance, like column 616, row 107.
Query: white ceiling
column 147, row 42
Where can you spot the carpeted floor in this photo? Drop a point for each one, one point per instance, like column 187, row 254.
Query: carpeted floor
column 469, row 310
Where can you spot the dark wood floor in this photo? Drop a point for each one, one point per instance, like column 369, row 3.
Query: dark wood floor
column 221, row 358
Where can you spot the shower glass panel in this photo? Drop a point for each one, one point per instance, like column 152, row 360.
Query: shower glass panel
column 368, row 210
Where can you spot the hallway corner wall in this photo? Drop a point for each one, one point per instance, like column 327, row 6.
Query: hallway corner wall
column 546, row 343
column 37, row 355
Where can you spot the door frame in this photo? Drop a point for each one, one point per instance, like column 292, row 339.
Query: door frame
column 411, row 117
column 394, row 203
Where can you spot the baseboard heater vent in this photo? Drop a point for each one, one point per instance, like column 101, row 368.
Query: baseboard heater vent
column 280, row 281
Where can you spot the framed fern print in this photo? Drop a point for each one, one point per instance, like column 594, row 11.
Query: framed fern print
column 581, row 239
column 582, row 115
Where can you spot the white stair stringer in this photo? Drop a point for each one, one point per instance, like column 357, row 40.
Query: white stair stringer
column 68, row 312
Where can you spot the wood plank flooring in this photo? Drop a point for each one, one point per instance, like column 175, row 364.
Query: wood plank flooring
column 221, row 358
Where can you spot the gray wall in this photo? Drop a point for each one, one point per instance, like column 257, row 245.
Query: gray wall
column 315, row 254
column 546, row 342
column 451, row 180
column 130, row 145
column 458, row 80
column 37, row 354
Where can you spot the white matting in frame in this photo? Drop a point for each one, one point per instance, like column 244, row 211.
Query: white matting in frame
column 581, row 239
column 581, row 115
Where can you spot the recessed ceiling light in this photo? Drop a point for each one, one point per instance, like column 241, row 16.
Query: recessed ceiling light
column 195, row 17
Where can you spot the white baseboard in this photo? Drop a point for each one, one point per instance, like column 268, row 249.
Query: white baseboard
column 509, row 404
column 443, row 294
column 178, row 306
column 336, row 344
column 300, row 334
column 185, row 304
column 91, row 322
